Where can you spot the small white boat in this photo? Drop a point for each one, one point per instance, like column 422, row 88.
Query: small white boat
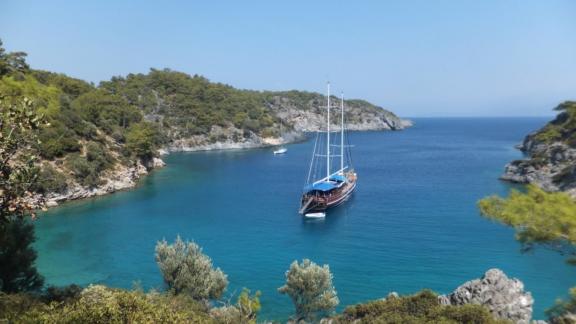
column 315, row 215
column 281, row 150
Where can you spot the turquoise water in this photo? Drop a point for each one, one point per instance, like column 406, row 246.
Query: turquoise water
column 412, row 223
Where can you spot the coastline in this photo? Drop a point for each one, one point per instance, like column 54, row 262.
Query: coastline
column 126, row 178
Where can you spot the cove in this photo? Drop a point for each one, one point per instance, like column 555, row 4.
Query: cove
column 412, row 223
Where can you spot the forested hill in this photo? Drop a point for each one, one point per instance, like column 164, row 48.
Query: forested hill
column 551, row 164
column 194, row 112
column 102, row 138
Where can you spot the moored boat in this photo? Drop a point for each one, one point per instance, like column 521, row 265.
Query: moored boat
column 281, row 149
column 335, row 187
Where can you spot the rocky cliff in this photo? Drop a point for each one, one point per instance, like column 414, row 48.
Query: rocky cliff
column 551, row 155
column 306, row 112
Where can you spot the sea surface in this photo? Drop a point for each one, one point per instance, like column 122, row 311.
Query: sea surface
column 412, row 223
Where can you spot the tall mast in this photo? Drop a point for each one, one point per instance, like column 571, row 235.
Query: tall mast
column 342, row 134
column 328, row 137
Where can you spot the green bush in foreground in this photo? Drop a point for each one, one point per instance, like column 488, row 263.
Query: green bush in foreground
column 187, row 270
column 17, row 257
column 99, row 304
column 422, row 307
column 245, row 310
column 310, row 288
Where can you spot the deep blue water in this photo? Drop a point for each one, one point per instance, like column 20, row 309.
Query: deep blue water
column 412, row 224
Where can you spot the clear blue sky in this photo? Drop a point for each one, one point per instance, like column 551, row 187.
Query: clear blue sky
column 418, row 58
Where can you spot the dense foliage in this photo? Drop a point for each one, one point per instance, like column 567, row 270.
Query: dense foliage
column 310, row 288
column 17, row 257
column 191, row 105
column 13, row 63
column 18, row 175
column 18, row 121
column 563, row 128
column 91, row 129
column 142, row 140
column 537, row 216
column 244, row 311
column 187, row 270
column 420, row 308
column 99, row 304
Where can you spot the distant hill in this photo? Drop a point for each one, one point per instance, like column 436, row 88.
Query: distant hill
column 103, row 138
column 197, row 114
column 551, row 162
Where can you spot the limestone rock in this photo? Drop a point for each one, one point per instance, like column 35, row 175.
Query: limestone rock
column 504, row 297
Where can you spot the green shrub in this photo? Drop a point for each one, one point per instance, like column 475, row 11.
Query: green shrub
column 142, row 140
column 244, row 311
column 50, row 180
column 422, row 307
column 99, row 158
column 99, row 304
column 549, row 134
column 14, row 306
column 106, row 110
column 84, row 172
column 17, row 257
column 310, row 288
column 68, row 293
column 56, row 141
column 186, row 269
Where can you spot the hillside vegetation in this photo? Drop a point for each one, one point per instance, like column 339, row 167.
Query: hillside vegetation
column 103, row 138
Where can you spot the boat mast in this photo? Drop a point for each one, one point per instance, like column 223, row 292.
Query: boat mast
column 328, row 137
column 342, row 134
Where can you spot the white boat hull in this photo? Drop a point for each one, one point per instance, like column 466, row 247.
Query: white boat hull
column 315, row 215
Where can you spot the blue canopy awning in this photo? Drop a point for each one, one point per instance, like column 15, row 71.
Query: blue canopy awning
column 320, row 186
column 338, row 177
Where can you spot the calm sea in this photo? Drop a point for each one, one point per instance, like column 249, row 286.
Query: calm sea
column 412, row 224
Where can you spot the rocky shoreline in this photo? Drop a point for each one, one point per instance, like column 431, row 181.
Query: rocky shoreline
column 124, row 178
column 550, row 164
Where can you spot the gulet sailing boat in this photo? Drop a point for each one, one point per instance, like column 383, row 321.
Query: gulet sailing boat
column 335, row 187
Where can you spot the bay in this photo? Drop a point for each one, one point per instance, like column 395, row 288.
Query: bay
column 412, row 223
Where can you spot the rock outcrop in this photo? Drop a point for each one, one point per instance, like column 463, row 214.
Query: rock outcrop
column 306, row 113
column 551, row 155
column 504, row 297
column 221, row 138
column 551, row 166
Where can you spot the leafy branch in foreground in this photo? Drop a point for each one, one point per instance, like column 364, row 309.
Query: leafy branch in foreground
column 17, row 163
column 538, row 217
column 18, row 174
